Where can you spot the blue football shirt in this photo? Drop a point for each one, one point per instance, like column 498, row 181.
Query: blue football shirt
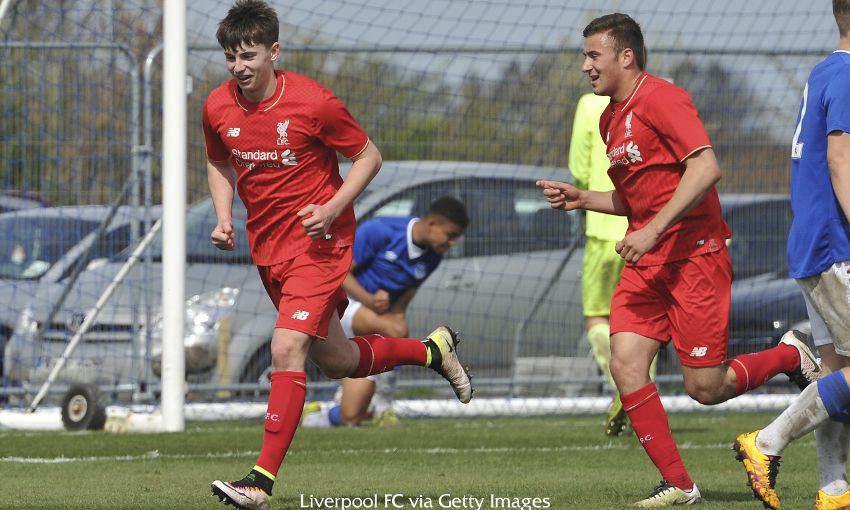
column 819, row 235
column 387, row 258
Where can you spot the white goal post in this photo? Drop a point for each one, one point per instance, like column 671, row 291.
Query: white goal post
column 174, row 161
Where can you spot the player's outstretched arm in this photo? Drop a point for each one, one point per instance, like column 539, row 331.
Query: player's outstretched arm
column 567, row 197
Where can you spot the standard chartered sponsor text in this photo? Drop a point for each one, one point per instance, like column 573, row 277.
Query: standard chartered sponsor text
column 260, row 158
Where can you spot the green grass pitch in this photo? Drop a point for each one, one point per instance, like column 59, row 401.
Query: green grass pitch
column 566, row 462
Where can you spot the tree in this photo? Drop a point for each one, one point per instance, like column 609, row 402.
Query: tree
column 733, row 115
column 65, row 123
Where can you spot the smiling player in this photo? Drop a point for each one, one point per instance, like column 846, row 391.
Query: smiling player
column 275, row 136
column 676, row 283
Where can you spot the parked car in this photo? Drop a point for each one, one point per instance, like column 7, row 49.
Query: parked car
column 17, row 201
column 765, row 301
column 485, row 287
column 44, row 245
column 511, row 286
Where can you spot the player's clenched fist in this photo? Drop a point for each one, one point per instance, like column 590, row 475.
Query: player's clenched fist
column 317, row 220
column 222, row 236
column 634, row 245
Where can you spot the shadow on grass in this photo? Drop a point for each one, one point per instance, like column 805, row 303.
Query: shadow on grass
column 744, row 495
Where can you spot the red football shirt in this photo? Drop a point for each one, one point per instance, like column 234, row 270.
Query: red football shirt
column 284, row 150
column 649, row 135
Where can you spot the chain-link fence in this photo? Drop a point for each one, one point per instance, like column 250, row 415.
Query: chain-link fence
column 479, row 117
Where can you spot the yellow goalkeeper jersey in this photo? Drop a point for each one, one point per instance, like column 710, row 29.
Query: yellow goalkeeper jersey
column 588, row 161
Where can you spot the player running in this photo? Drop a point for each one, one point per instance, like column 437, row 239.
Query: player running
column 275, row 136
column 676, row 284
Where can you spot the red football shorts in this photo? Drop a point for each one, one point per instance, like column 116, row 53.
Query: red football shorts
column 686, row 301
column 307, row 289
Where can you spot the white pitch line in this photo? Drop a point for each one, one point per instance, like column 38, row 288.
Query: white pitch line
column 152, row 455
column 156, row 455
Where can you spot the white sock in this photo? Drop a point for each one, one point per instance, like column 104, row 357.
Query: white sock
column 833, row 439
column 804, row 414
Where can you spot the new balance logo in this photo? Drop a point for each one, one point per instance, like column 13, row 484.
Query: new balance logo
column 699, row 352
column 233, row 132
column 300, row 315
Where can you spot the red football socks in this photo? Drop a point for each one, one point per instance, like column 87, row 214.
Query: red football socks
column 379, row 354
column 649, row 421
column 286, row 402
column 753, row 370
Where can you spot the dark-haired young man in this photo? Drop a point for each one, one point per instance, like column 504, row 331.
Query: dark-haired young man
column 392, row 258
column 676, row 283
column 275, row 136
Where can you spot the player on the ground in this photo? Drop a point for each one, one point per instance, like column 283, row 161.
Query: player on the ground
column 392, row 258
column 819, row 259
column 275, row 136
column 676, row 283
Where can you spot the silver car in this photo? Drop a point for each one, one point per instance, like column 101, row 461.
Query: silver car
column 16, row 201
column 510, row 286
column 44, row 245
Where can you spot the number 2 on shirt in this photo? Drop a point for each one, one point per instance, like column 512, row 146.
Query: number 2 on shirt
column 797, row 148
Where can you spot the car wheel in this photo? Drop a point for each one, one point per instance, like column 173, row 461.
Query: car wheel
column 5, row 334
column 83, row 408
